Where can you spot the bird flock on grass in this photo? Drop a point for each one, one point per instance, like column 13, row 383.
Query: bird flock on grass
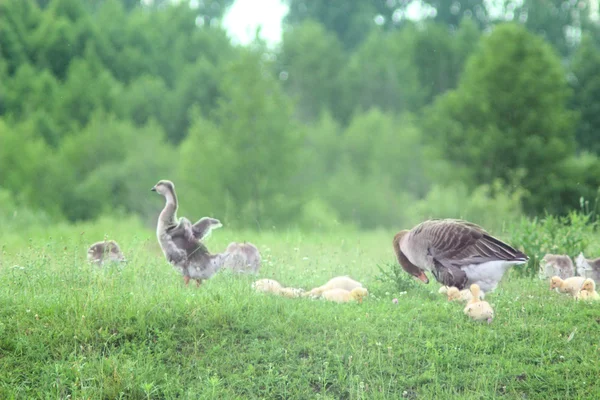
column 462, row 256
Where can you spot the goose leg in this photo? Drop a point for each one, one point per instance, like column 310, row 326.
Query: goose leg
column 198, row 282
column 186, row 279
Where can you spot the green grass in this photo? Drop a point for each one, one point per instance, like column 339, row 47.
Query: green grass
column 70, row 330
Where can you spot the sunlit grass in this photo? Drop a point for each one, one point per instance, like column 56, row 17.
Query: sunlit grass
column 70, row 329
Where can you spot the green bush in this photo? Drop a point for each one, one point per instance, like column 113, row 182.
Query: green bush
column 568, row 235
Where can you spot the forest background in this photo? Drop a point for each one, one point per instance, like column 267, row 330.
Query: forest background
column 359, row 118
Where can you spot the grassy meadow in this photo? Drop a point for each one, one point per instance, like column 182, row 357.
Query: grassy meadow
column 71, row 330
column 358, row 121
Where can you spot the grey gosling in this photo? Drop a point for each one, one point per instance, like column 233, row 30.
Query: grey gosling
column 556, row 265
column 243, row 257
column 180, row 240
column 588, row 268
column 100, row 252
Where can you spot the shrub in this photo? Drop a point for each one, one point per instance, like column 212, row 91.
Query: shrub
column 568, row 235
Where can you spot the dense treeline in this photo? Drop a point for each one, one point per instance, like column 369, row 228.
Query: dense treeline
column 360, row 116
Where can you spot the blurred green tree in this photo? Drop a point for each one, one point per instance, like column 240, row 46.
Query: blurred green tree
column 371, row 170
column 381, row 73
column 508, row 118
column 439, row 54
column 17, row 20
column 309, row 67
column 350, row 20
column 585, row 68
column 88, row 88
column 33, row 94
column 111, row 164
column 244, row 159
column 557, row 21
column 453, row 13
column 28, row 168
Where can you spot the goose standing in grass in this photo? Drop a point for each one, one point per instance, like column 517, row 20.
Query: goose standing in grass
column 458, row 253
column 556, row 265
column 243, row 257
column 588, row 268
column 180, row 241
column 100, row 252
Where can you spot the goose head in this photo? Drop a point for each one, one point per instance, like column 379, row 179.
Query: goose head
column 403, row 260
column 164, row 187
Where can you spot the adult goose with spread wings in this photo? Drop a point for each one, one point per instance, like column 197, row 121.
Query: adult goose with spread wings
column 181, row 241
column 458, row 253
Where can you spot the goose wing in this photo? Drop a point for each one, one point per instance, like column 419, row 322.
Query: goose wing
column 450, row 276
column 184, row 243
column 457, row 243
column 203, row 227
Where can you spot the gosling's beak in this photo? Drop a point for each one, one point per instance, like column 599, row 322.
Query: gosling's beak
column 423, row 277
column 153, row 189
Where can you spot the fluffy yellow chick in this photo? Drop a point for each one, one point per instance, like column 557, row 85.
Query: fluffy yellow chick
column 570, row 285
column 267, row 286
column 443, row 290
column 588, row 291
column 339, row 282
column 462, row 295
column 290, row 292
column 459, row 295
column 344, row 296
column 478, row 309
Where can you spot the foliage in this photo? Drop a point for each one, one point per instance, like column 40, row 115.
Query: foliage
column 393, row 275
column 359, row 118
column 456, row 12
column 508, row 117
column 456, row 201
column 249, row 138
column 380, row 74
column 350, row 21
column 568, row 235
column 556, row 20
column 586, row 85
column 347, row 167
column 310, row 63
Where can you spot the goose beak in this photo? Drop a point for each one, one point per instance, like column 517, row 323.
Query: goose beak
column 423, row 277
column 153, row 189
